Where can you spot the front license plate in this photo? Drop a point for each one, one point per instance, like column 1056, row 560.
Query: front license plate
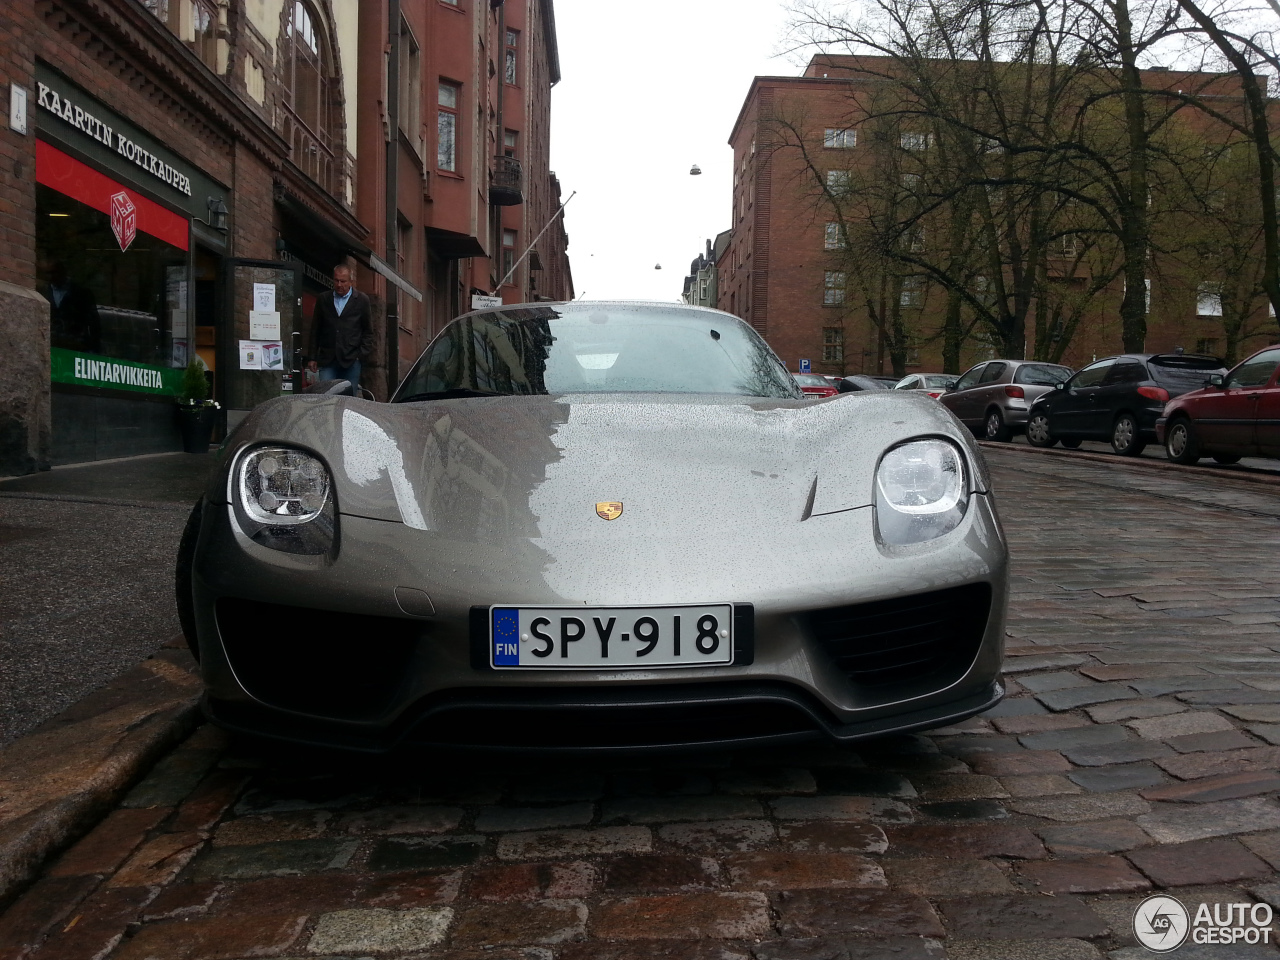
column 568, row 638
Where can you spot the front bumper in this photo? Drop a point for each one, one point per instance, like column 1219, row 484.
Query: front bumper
column 322, row 652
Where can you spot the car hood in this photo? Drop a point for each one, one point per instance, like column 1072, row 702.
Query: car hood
column 684, row 466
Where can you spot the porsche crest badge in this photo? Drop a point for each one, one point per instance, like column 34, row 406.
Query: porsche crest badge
column 609, row 511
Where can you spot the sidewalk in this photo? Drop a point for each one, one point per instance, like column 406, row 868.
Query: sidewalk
column 86, row 590
column 94, row 681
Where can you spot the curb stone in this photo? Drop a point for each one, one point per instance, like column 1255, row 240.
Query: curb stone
column 101, row 745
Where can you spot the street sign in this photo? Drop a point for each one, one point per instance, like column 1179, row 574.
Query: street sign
column 806, row 366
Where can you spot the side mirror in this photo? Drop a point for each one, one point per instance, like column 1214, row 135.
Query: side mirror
column 1060, row 385
column 1215, row 380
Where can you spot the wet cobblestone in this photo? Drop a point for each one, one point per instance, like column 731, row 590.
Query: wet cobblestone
column 1137, row 752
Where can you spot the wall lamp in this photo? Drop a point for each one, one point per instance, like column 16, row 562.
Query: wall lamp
column 217, row 214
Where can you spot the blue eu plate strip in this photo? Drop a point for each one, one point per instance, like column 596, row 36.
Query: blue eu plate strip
column 506, row 637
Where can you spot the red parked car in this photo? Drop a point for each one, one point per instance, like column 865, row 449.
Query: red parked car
column 814, row 385
column 1234, row 415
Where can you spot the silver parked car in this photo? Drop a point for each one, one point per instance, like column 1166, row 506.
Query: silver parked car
column 992, row 398
column 934, row 384
column 563, row 533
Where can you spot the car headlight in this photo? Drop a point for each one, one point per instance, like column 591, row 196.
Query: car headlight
column 922, row 491
column 283, row 499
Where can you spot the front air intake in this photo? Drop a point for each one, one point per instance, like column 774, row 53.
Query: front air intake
column 930, row 639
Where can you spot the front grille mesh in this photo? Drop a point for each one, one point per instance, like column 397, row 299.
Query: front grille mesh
column 927, row 639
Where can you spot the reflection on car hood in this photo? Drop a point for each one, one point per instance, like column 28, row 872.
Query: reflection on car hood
column 685, row 466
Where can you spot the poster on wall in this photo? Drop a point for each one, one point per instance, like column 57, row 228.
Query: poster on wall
column 264, row 297
column 250, row 355
column 272, row 356
column 179, row 357
column 264, row 325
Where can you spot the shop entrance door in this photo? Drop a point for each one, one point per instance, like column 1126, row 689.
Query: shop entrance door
column 261, row 351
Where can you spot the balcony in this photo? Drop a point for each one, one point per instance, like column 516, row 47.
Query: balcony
column 506, row 182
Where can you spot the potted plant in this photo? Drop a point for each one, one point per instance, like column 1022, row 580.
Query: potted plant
column 197, row 414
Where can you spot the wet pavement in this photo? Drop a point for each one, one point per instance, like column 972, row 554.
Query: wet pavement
column 87, row 587
column 1138, row 752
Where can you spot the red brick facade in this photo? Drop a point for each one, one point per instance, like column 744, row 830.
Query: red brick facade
column 773, row 272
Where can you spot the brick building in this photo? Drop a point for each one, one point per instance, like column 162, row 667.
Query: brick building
column 172, row 166
column 784, row 271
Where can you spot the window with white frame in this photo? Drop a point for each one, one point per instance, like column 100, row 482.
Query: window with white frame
column 832, row 344
column 447, row 126
column 912, row 292
column 1209, row 299
column 914, row 140
column 510, row 141
column 410, row 88
column 840, row 139
column 833, row 284
column 834, row 239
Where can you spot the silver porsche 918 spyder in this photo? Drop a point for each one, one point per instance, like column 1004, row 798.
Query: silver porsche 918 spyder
column 573, row 527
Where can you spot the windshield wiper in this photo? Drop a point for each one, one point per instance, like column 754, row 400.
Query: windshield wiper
column 458, row 392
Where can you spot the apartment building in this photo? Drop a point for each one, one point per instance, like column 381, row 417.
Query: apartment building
column 800, row 141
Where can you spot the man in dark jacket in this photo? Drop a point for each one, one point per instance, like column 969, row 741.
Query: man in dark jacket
column 341, row 331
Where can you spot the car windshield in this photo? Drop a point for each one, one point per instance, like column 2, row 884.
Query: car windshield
column 811, row 380
column 597, row 348
column 1041, row 374
column 940, row 381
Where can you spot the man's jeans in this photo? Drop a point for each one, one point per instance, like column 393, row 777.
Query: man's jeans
column 351, row 373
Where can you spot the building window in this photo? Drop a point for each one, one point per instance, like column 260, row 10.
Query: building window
column 912, row 292
column 305, row 73
column 834, row 240
column 839, row 139
column 915, row 238
column 1209, row 300
column 911, row 182
column 204, row 33
column 447, row 126
column 1064, row 246
column 832, row 344
column 912, row 140
column 1207, row 346
column 508, row 251
column 833, row 287
column 510, row 74
column 838, row 181
column 411, row 89
column 702, row 291
column 913, row 356
column 510, row 141
column 404, row 261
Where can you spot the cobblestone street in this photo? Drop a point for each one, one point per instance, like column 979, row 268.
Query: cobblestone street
column 1138, row 750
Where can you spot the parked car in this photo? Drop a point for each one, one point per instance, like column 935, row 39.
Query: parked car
column 1117, row 399
column 563, row 532
column 852, row 384
column 934, row 384
column 814, row 385
column 1236, row 415
column 992, row 398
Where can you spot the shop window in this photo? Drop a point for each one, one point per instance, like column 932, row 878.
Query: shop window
column 510, row 72
column 447, row 126
column 115, row 291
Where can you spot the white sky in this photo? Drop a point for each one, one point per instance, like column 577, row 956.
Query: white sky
column 648, row 90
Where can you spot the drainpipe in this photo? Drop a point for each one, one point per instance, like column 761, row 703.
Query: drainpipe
column 500, row 137
column 393, row 183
